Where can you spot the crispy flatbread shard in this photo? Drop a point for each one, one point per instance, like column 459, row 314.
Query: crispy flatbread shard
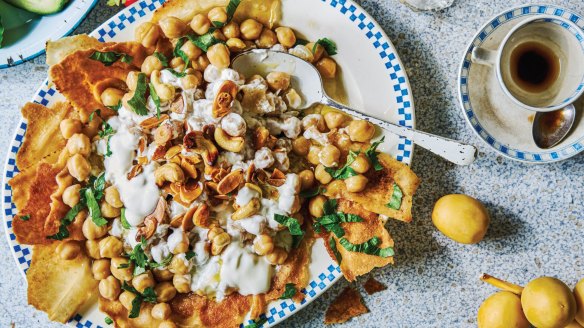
column 380, row 189
column 373, row 286
column 43, row 134
column 268, row 12
column 355, row 264
column 56, row 286
column 81, row 79
column 347, row 305
column 119, row 314
column 59, row 49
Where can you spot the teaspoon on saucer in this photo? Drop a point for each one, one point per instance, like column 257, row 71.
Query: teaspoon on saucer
column 550, row 128
column 309, row 83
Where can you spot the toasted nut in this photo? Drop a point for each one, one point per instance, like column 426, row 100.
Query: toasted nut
column 255, row 187
column 148, row 230
column 227, row 142
column 246, row 210
column 136, row 169
column 190, row 191
column 219, row 240
column 169, row 172
column 178, row 105
column 230, row 182
column 159, row 153
column 225, row 96
column 173, row 151
column 196, row 141
column 188, row 164
column 153, row 122
column 261, row 136
column 201, row 217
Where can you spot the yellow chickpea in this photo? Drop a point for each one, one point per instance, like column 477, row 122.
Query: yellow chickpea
column 278, row 80
column 286, row 36
column 161, row 311
column 132, row 80
column 191, row 81
column 177, row 64
column 111, row 96
column 263, row 244
column 182, row 283
column 317, row 51
column 191, row 50
column 306, row 179
column 361, row 131
column 112, row 197
column 143, row 281
column 278, row 256
column 71, row 195
column 334, row 119
column 361, row 164
column 329, row 156
column 327, row 67
column 356, row 183
column 68, row 250
column 167, row 324
column 79, row 144
column 322, row 175
column 92, row 249
column 200, row 24
column 151, row 64
column 110, row 247
column 108, row 211
column 78, row 167
column 301, row 146
column 235, row 45
column 91, row 231
column 231, row 30
column 178, row 266
column 101, row 269
column 267, row 39
column 126, row 299
column 162, row 274
column 110, row 288
column 315, row 206
column 147, row 34
column 343, row 142
column 217, row 15
column 69, row 127
column 172, row 27
column 313, row 155
column 201, row 63
column 250, row 29
column 219, row 56
column 122, row 268
column 165, row 291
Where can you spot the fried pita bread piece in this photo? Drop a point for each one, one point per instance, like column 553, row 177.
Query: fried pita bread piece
column 119, row 314
column 346, row 306
column 59, row 49
column 43, row 134
column 268, row 12
column 82, row 80
column 355, row 264
column 373, row 286
column 380, row 189
column 56, row 286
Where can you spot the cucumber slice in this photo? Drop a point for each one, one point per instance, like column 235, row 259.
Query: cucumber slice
column 42, row 7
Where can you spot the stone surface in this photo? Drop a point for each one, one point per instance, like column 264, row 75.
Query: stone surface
column 537, row 211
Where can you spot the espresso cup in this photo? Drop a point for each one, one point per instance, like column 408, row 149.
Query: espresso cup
column 540, row 63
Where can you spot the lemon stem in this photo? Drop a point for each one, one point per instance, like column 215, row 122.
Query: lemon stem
column 501, row 284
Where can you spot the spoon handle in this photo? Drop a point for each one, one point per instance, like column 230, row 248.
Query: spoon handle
column 451, row 150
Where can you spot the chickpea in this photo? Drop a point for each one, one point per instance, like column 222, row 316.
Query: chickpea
column 182, row 283
column 147, row 34
column 317, row 51
column 166, row 92
column 334, row 119
column 361, row 164
column 68, row 250
column 178, row 266
column 143, row 281
column 327, row 67
column 219, row 56
column 201, row 63
column 132, row 80
column 313, row 155
column 329, row 156
column 79, row 144
column 78, row 167
column 108, row 211
column 278, row 80
column 250, row 29
column 165, row 291
column 172, row 27
column 162, row 274
column 267, row 39
column 177, row 64
column 151, row 64
column 200, row 24
column 361, row 130
column 160, row 311
column 167, row 324
column 101, row 269
column 92, row 249
column 191, row 50
column 235, row 45
column 122, row 268
column 322, row 175
column 111, row 96
column 217, row 15
column 277, row 256
column 306, row 179
column 91, row 231
column 301, row 146
column 181, row 247
column 126, row 299
column 71, row 195
column 109, row 288
column 110, row 247
column 286, row 36
column 315, row 206
column 263, row 244
column 356, row 183
column 69, row 127
column 231, row 30
column 112, row 197
column 191, row 81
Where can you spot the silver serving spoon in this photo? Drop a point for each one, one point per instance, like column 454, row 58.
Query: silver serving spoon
column 307, row 81
column 550, row 128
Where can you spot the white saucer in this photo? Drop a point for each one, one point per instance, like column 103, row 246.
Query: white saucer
column 492, row 115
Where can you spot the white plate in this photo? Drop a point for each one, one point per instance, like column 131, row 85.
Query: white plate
column 42, row 29
column 374, row 78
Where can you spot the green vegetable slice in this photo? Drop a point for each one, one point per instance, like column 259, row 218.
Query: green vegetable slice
column 124, row 221
column 94, row 210
column 396, row 198
column 138, row 101
column 368, row 247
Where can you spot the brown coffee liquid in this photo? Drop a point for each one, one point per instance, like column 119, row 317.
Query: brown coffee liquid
column 534, row 66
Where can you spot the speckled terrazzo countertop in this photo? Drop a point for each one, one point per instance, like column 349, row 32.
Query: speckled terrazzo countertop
column 537, row 212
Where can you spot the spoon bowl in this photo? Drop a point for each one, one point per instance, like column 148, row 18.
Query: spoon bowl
column 550, row 128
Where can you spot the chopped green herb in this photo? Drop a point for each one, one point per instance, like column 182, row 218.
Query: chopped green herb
column 138, row 101
column 289, row 292
column 312, row 192
column 177, row 52
column 256, row 324
column 301, row 42
column 341, row 174
column 1, row 32
column 116, row 107
column 189, row 255
column 368, row 247
column 371, row 153
column 331, row 220
column 328, row 45
column 230, row 9
column 127, row 59
column 165, row 262
column 396, row 198
column 155, row 98
column 293, row 226
column 177, row 74
column 108, row 321
column 110, row 57
column 98, row 185
column 24, row 217
column 333, row 246
column 66, row 221
column 139, row 258
column 94, row 210
column 205, row 41
column 149, row 295
column 162, row 58
column 351, row 157
column 330, row 206
column 125, row 223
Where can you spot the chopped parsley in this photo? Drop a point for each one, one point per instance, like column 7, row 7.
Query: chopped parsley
column 330, row 206
column 106, row 130
column 230, row 9
column 371, row 154
column 138, row 101
column 328, row 45
column 368, row 247
column 94, row 211
column 24, row 217
column 343, row 173
column 108, row 321
column 312, row 192
column 66, row 221
column 205, row 41
column 289, row 292
column 110, row 57
column 396, row 198
column 293, row 226
column 331, row 220
column 141, row 261
column 177, row 74
column 155, row 98
column 189, row 255
column 149, row 295
column 161, row 57
column 256, row 324
column 177, row 52
column 301, row 42
column 116, row 107
column 333, row 246
column 123, row 220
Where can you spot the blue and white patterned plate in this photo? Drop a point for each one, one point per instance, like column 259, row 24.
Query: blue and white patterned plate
column 491, row 114
column 379, row 87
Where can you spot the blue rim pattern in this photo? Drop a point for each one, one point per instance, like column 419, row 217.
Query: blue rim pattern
column 517, row 154
column 282, row 309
